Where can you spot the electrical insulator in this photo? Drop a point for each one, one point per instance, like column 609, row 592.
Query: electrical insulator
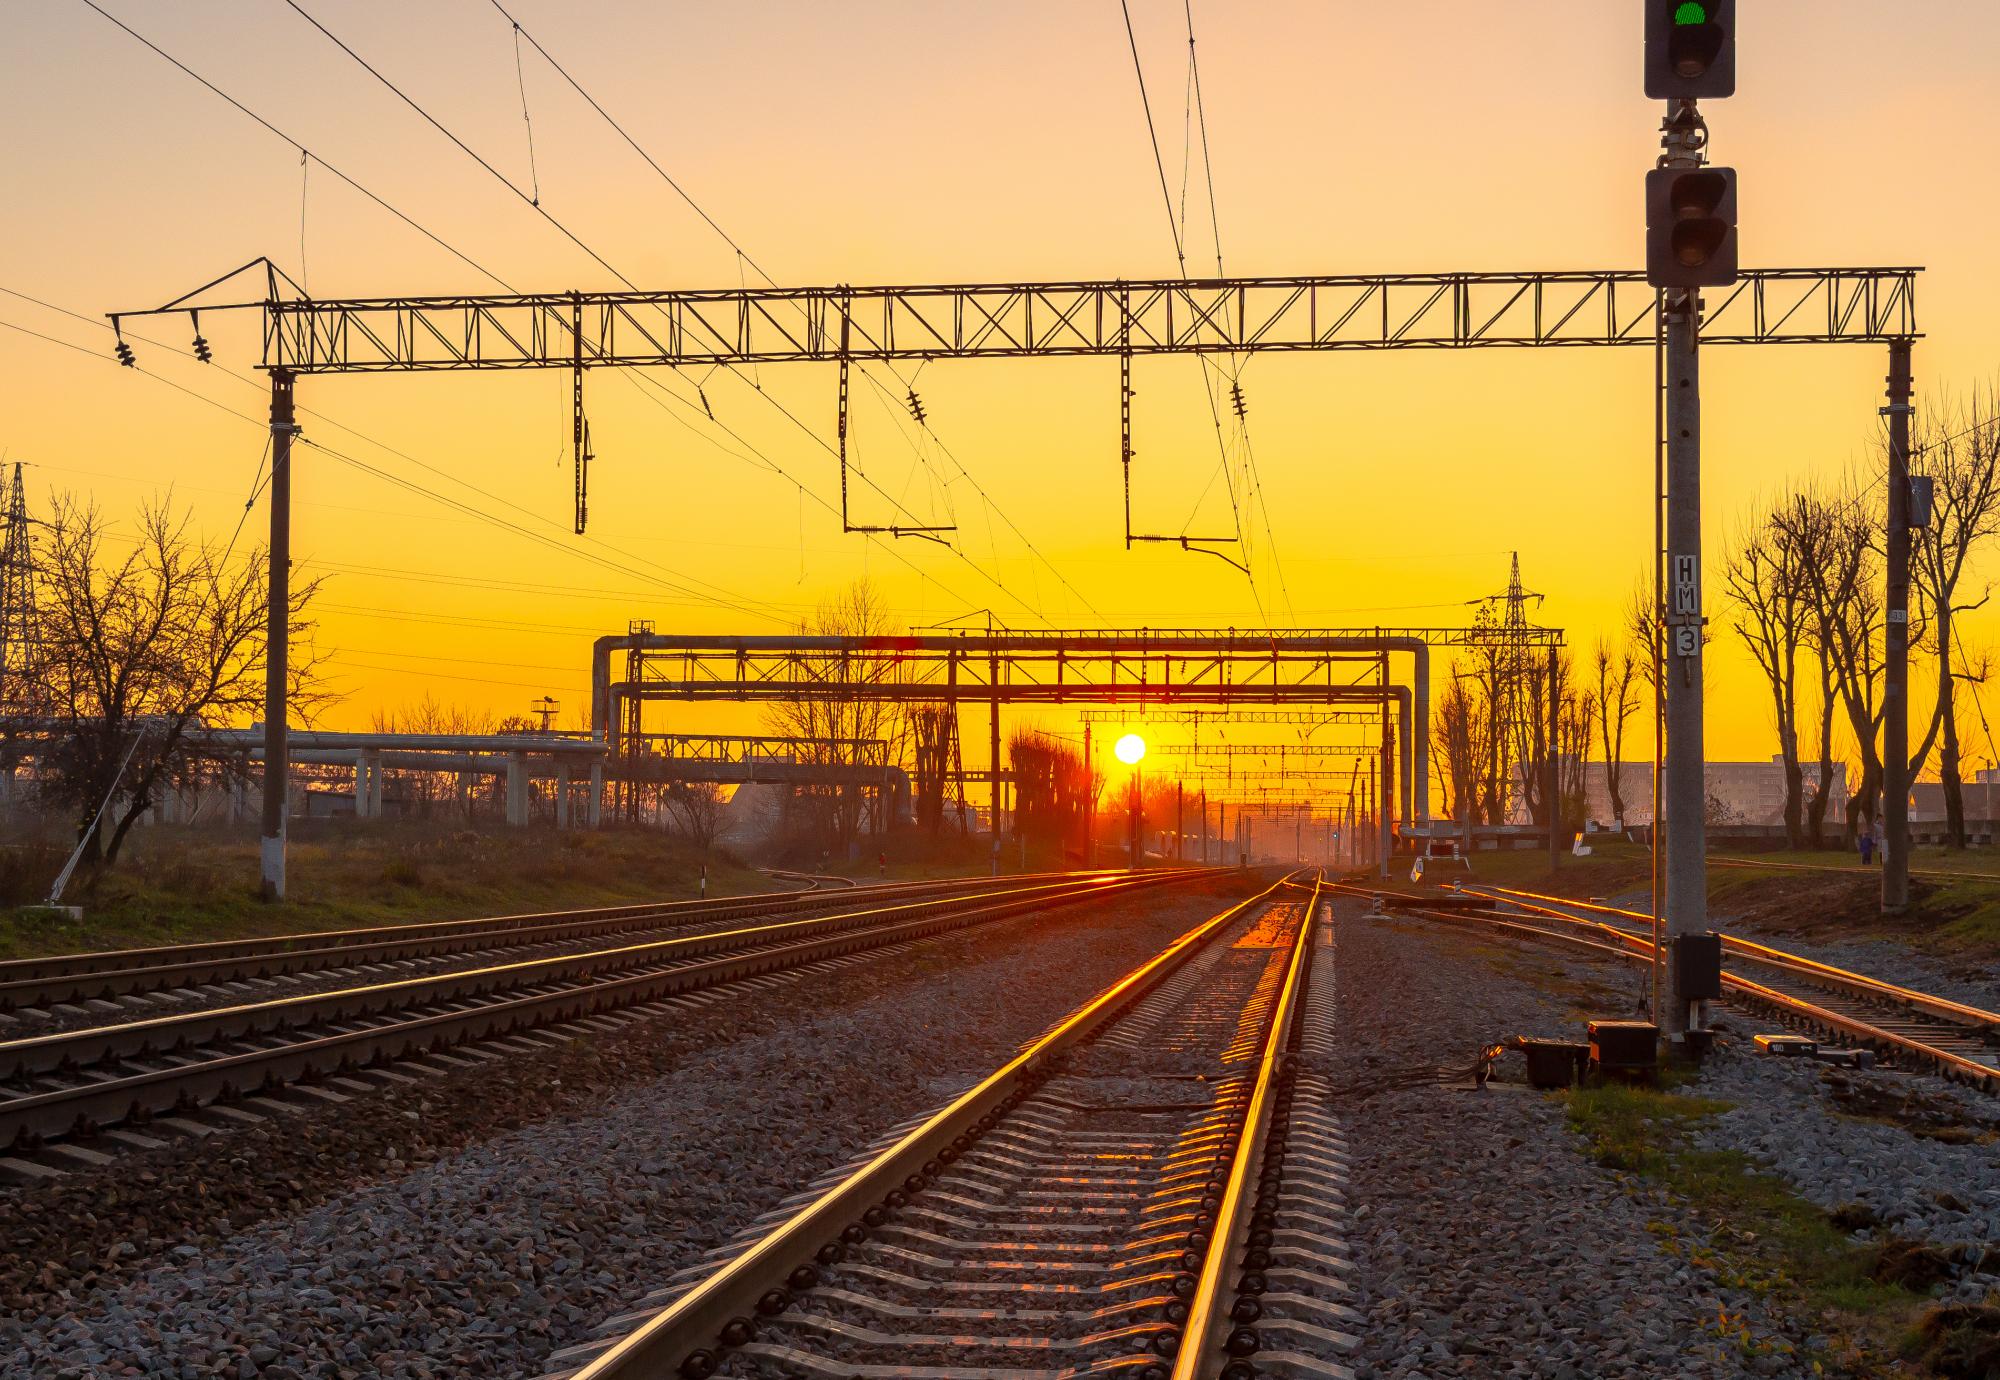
column 202, row 352
column 125, row 353
column 917, row 407
column 1236, row 402
column 702, row 393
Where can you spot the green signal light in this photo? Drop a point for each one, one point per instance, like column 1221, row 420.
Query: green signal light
column 1690, row 12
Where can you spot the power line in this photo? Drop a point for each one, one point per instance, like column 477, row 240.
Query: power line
column 724, row 599
column 1152, row 132
column 432, row 235
column 568, row 233
column 745, row 257
column 451, row 249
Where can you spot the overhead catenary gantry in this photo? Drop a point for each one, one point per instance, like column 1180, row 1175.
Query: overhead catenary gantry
column 1104, row 317
column 751, row 325
column 1142, row 667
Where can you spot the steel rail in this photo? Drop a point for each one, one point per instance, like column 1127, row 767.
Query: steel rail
column 431, row 1029
column 60, row 978
column 94, row 1044
column 1206, row 1338
column 1854, row 984
column 1931, row 872
column 1786, row 1006
column 683, row 1339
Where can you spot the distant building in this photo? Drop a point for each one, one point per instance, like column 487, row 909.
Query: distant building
column 1981, row 796
column 1750, row 792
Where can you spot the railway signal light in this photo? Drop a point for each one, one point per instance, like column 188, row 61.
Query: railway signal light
column 1690, row 49
column 1691, row 227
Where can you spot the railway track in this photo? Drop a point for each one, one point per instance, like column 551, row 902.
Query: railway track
column 1152, row 1187
column 1927, row 873
column 116, row 1079
column 96, row 987
column 1898, row 1023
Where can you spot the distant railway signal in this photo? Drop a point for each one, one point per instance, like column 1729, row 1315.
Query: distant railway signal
column 1691, row 227
column 1690, row 49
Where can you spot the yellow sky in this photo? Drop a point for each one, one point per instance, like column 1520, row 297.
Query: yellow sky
column 924, row 142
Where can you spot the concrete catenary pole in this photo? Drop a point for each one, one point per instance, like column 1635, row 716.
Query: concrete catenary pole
column 1553, row 785
column 277, row 638
column 1089, row 802
column 1684, row 806
column 1385, row 837
column 1896, row 644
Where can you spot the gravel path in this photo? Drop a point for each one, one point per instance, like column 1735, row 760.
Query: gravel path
column 630, row 1156
column 1489, row 1244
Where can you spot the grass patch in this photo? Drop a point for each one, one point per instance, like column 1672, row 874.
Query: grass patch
column 1758, row 1234
column 182, row 884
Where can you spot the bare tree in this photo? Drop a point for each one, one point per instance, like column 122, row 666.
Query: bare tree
column 432, row 792
column 1458, row 745
column 1961, row 454
column 1836, row 533
column 838, row 729
column 697, row 811
column 1613, row 703
column 140, row 653
column 1764, row 577
column 1831, row 562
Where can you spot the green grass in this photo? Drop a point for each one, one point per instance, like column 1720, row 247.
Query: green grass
column 177, row 885
column 1758, row 1234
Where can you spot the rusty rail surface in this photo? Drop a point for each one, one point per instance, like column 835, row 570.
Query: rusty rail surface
column 101, row 1076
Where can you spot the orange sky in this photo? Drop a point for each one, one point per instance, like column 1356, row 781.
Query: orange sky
column 924, row 142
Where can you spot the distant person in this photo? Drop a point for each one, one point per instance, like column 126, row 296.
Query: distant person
column 1866, row 840
column 1875, row 836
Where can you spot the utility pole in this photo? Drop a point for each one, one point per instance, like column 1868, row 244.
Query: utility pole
column 1180, row 820
column 1691, row 243
column 1089, row 803
column 1554, row 784
column 1896, row 644
column 277, row 637
column 1134, row 838
column 1686, row 793
column 995, row 753
column 1683, row 775
column 1204, row 826
column 1385, row 799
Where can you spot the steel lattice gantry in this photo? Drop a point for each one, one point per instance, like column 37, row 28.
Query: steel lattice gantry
column 1231, row 316
column 750, row 325
column 1141, row 668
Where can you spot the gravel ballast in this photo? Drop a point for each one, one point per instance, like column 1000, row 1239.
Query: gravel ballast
column 1489, row 1244
column 492, row 1218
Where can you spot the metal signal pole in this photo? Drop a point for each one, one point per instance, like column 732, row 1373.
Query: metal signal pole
column 1896, row 644
column 277, row 636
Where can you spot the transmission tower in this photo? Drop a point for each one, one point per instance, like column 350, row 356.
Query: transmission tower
column 1502, row 621
column 17, row 596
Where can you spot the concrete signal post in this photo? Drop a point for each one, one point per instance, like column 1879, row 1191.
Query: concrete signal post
column 1691, row 244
